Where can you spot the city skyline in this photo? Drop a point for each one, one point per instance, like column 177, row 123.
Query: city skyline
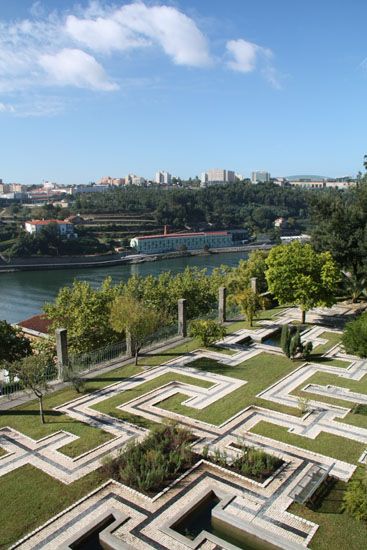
column 91, row 88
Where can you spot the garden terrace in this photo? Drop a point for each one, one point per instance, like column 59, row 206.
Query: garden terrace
column 249, row 396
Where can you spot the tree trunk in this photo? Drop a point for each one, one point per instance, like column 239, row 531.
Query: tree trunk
column 303, row 320
column 41, row 410
column 136, row 356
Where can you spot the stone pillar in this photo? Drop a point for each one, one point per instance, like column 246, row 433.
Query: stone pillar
column 222, row 304
column 254, row 284
column 182, row 323
column 129, row 349
column 61, row 335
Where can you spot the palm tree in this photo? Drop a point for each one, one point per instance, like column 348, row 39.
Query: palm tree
column 355, row 285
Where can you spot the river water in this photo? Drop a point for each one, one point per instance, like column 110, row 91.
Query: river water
column 23, row 293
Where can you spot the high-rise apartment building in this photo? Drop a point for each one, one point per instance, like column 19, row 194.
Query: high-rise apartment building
column 163, row 177
column 217, row 176
column 260, row 176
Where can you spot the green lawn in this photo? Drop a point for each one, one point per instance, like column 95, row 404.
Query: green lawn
column 324, row 379
column 29, row 497
column 2, row 452
column 325, row 443
column 259, row 372
column 332, row 339
column 328, row 361
column 109, row 405
column 25, row 418
column 266, row 315
column 337, row 529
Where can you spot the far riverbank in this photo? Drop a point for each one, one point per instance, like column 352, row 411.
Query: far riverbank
column 86, row 262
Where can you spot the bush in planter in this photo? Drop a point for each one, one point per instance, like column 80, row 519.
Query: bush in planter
column 150, row 465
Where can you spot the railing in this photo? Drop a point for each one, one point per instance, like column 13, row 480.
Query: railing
column 85, row 362
column 8, row 387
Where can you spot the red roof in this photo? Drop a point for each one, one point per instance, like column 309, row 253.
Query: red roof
column 38, row 323
column 47, row 222
column 199, row 234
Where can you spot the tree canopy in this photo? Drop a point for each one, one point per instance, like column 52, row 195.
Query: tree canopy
column 297, row 274
column 84, row 312
column 13, row 345
column 355, row 336
column 135, row 319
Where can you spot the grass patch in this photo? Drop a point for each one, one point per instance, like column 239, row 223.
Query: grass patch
column 25, row 418
column 29, row 497
column 337, row 528
column 109, row 405
column 263, row 315
column 153, row 360
column 220, row 349
column 325, row 443
column 260, row 372
column 324, row 379
column 3, row 452
column 332, row 340
column 328, row 361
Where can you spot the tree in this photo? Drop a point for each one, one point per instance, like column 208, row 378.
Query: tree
column 295, row 345
column 13, row 345
column 355, row 336
column 136, row 319
column 285, row 339
column 354, row 285
column 297, row 274
column 255, row 266
column 339, row 222
column 84, row 312
column 355, row 497
column 32, row 372
column 207, row 331
column 248, row 302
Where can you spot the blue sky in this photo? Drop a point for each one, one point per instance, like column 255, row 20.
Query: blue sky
column 89, row 89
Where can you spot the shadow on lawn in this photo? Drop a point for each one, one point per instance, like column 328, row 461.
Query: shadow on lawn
column 35, row 412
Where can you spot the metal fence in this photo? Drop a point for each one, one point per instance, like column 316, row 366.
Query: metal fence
column 85, row 362
column 10, row 386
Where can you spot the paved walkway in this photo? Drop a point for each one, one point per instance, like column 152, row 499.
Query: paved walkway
column 144, row 523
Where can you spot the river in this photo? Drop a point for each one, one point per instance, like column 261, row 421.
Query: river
column 23, row 293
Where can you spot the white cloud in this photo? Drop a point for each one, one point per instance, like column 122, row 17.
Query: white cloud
column 76, row 68
column 137, row 25
column 102, row 34
column 69, row 48
column 247, row 56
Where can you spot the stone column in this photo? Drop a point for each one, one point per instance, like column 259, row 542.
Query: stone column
column 182, row 323
column 254, row 284
column 222, row 304
column 61, row 335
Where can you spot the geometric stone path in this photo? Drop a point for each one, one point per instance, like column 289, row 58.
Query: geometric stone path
column 146, row 523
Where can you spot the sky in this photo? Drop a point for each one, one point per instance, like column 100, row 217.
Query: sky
column 97, row 88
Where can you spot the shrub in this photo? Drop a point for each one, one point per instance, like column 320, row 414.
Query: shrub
column 355, row 498
column 150, row 465
column 253, row 463
column 355, row 336
column 208, row 331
